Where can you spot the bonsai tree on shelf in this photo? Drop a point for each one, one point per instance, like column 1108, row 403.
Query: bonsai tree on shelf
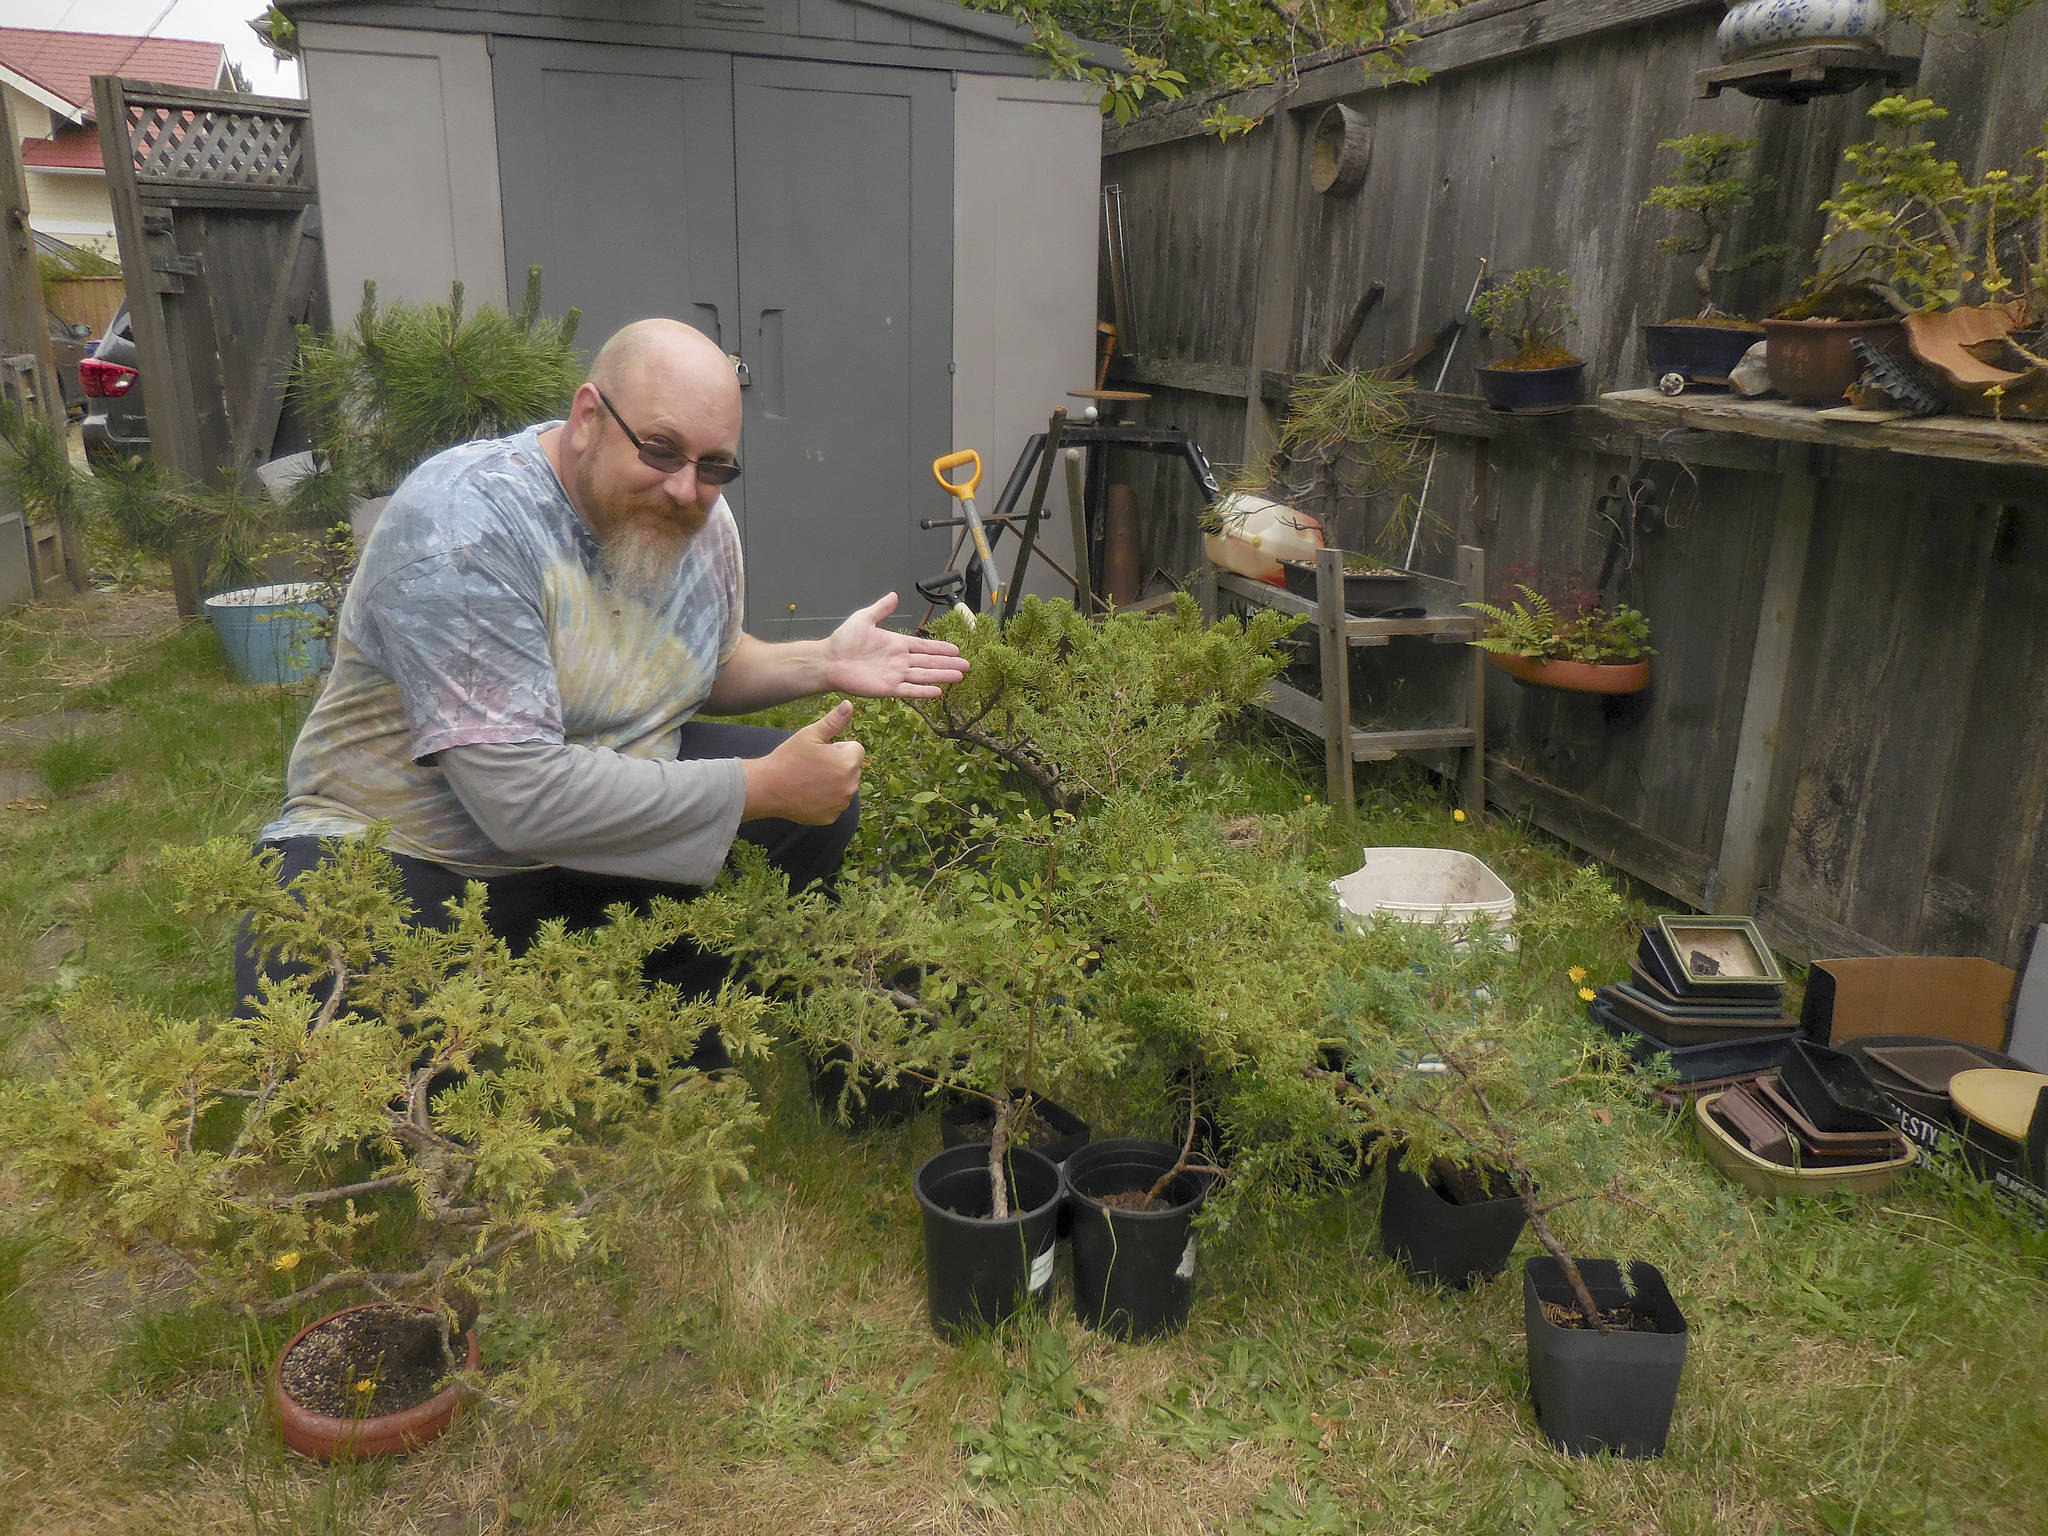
column 1086, row 920
column 403, row 1120
column 1908, row 230
column 1584, row 630
column 1530, row 310
column 1706, row 193
column 1457, row 1073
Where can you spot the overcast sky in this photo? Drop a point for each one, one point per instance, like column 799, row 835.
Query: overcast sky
column 218, row 21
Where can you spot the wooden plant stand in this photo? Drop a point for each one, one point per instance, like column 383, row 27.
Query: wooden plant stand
column 1329, row 717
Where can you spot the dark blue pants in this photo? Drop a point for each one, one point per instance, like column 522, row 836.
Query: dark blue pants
column 522, row 900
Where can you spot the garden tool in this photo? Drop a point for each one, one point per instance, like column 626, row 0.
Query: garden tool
column 963, row 491
column 1429, row 470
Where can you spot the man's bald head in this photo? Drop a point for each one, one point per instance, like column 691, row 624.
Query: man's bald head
column 656, row 361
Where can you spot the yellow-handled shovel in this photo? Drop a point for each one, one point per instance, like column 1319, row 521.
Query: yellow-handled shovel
column 964, row 490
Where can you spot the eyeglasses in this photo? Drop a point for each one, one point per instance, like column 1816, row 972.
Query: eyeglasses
column 671, row 460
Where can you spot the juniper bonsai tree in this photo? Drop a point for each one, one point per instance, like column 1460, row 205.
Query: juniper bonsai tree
column 1449, row 1063
column 404, row 1119
column 1104, row 926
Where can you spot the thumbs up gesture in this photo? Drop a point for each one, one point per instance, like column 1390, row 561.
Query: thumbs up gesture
column 811, row 777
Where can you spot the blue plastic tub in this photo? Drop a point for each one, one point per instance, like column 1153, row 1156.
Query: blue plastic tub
column 270, row 633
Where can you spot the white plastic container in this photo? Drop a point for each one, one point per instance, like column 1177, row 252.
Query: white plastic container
column 1258, row 534
column 1427, row 885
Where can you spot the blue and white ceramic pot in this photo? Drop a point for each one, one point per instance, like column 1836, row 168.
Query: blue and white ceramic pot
column 1762, row 26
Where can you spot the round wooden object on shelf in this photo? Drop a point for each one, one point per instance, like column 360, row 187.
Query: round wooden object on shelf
column 1340, row 152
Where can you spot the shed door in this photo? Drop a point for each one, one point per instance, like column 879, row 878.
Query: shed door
column 844, row 187
column 616, row 169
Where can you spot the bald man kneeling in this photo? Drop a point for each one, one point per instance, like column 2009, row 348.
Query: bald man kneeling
column 535, row 627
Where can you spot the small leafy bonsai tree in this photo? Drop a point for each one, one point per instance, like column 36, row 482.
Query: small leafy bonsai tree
column 1097, row 924
column 1530, row 310
column 1584, row 631
column 402, row 1120
column 1706, row 193
column 1462, row 1075
column 1908, row 229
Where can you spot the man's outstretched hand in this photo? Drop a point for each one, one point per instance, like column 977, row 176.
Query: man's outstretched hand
column 864, row 659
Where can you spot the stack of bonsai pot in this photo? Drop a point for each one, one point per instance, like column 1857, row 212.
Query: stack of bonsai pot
column 1708, row 992
column 1818, row 1125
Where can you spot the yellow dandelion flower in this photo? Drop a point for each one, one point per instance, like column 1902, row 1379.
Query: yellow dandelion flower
column 1577, row 974
column 367, row 1384
column 1457, row 815
column 1586, row 994
column 285, row 1261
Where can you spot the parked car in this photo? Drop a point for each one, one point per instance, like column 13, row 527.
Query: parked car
column 69, row 346
column 116, row 426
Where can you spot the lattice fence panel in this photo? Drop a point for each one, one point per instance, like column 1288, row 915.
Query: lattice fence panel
column 218, row 148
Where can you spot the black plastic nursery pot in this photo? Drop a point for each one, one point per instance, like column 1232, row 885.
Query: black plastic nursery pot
column 1441, row 1240
column 1596, row 1391
column 1134, row 1271
column 1530, row 389
column 978, row 1271
column 969, row 1121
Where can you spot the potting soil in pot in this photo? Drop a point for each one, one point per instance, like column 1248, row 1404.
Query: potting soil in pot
column 396, row 1349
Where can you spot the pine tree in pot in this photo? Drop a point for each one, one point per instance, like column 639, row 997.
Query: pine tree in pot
column 1706, row 195
column 1458, row 1078
column 404, row 1121
column 1530, row 310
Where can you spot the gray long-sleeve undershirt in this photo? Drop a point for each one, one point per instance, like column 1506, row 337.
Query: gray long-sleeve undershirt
column 592, row 809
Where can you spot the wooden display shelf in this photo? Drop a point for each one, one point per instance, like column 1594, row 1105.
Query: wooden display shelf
column 1330, row 716
column 1798, row 75
column 1975, row 439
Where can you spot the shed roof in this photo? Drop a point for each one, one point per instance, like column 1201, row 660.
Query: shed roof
column 56, row 68
column 700, row 23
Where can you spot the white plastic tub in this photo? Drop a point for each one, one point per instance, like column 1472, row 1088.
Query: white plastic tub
column 1427, row 885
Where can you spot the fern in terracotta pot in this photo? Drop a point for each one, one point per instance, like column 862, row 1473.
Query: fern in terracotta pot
column 1581, row 645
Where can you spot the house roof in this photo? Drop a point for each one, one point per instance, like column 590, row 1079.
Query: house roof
column 56, row 68
column 78, row 150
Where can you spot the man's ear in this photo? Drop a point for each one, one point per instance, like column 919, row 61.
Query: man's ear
column 585, row 411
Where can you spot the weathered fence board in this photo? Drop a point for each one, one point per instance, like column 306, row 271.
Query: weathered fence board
column 1885, row 789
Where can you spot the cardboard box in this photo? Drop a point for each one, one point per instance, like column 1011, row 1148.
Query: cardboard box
column 1947, row 996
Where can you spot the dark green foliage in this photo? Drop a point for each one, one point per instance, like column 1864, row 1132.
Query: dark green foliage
column 407, row 381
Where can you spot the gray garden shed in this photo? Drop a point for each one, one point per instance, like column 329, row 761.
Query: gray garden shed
column 874, row 203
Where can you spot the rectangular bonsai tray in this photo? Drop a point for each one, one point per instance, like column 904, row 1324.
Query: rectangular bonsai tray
column 1721, row 1058
column 1694, row 1025
column 1660, row 964
column 1732, row 1007
column 1718, row 953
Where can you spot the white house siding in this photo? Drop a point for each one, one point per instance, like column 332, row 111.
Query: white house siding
column 73, row 206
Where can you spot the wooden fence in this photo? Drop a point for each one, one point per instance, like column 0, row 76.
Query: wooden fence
column 1848, row 729
column 88, row 301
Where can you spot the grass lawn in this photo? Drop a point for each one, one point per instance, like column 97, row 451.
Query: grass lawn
column 1871, row 1366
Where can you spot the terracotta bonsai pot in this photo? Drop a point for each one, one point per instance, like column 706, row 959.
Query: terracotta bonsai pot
column 325, row 1437
column 1811, row 361
column 1575, row 676
column 1967, row 353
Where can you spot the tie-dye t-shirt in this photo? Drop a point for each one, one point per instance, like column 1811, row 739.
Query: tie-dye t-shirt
column 479, row 613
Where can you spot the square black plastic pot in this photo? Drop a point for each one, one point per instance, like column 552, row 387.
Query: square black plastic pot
column 1442, row 1241
column 1597, row 1391
column 1833, row 1089
column 871, row 1104
column 979, row 1271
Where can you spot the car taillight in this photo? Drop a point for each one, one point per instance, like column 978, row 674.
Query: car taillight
column 102, row 379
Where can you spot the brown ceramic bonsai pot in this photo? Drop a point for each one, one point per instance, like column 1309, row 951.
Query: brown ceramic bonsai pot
column 1812, row 362
column 1575, row 676
column 326, row 1437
